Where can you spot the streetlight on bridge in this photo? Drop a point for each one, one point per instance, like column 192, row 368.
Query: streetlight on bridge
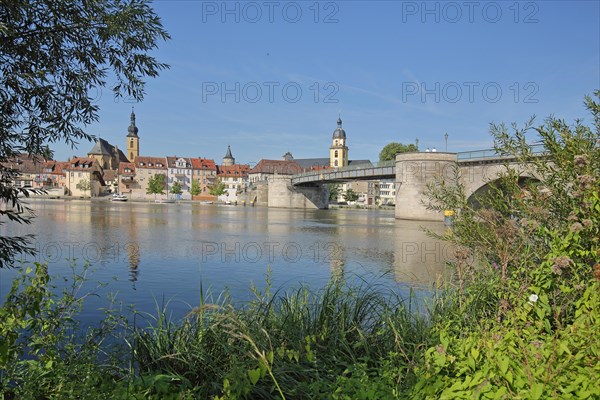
column 446, row 137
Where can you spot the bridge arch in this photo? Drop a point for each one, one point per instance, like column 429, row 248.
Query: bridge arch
column 473, row 197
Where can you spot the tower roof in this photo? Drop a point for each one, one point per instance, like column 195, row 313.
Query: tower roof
column 339, row 133
column 132, row 130
column 228, row 154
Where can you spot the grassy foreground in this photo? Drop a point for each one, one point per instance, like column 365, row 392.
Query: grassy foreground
column 521, row 320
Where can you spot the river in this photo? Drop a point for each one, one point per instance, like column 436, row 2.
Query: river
column 153, row 253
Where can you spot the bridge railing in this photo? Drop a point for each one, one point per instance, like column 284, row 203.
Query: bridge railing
column 369, row 165
column 536, row 149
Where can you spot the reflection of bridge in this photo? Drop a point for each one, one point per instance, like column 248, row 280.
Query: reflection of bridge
column 411, row 172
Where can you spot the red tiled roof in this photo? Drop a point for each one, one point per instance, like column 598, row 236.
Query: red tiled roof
column 109, row 175
column 80, row 164
column 171, row 160
column 233, row 170
column 25, row 163
column 203, row 163
column 150, row 162
column 126, row 165
column 276, row 166
column 55, row 167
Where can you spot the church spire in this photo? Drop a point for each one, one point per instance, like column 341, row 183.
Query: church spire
column 132, row 130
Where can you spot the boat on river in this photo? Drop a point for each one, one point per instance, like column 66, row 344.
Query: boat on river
column 119, row 197
column 164, row 201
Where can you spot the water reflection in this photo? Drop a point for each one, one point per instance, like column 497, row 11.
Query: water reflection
column 167, row 250
column 419, row 258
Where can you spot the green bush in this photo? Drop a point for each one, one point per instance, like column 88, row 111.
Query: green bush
column 537, row 335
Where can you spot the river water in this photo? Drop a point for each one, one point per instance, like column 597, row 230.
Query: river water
column 153, row 253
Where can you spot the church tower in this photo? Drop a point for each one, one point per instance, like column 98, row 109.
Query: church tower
column 133, row 140
column 338, row 152
column 228, row 160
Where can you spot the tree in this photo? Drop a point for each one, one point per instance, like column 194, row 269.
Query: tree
column 156, row 185
column 55, row 54
column 390, row 150
column 334, row 191
column 176, row 188
column 195, row 191
column 350, row 195
column 84, row 185
column 217, row 188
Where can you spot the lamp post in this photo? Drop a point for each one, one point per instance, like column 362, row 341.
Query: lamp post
column 417, row 143
column 446, row 137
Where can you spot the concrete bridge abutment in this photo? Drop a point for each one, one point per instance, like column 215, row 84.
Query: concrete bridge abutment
column 413, row 172
column 282, row 194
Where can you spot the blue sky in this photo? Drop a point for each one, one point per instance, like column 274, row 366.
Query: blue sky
column 270, row 77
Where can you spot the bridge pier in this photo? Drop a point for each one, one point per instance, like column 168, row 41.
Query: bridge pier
column 413, row 172
column 283, row 194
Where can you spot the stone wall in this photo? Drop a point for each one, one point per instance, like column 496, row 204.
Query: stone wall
column 283, row 195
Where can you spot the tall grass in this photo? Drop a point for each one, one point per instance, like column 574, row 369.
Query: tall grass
column 293, row 344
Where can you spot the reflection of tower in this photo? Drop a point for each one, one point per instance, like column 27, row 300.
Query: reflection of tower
column 133, row 251
column 133, row 140
column 338, row 152
column 337, row 261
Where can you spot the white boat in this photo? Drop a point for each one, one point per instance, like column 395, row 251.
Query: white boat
column 164, row 201
column 206, row 202
column 119, row 197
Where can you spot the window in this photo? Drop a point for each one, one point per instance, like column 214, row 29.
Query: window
column 335, row 154
column 336, row 163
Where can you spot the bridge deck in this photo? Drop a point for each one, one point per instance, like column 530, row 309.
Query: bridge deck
column 387, row 169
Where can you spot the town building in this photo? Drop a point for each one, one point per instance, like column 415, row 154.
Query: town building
column 180, row 170
column 29, row 170
column 145, row 169
column 83, row 177
column 204, row 173
column 387, row 192
column 266, row 169
column 107, row 155
column 235, row 179
column 127, row 179
column 53, row 176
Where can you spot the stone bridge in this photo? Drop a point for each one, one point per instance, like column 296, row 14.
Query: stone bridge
column 411, row 173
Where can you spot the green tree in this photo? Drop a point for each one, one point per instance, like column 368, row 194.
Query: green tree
column 217, row 188
column 84, row 185
column 350, row 195
column 334, row 191
column 156, row 185
column 176, row 188
column 56, row 57
column 390, row 150
column 195, row 191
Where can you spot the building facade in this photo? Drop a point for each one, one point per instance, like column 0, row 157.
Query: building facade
column 145, row 169
column 204, row 173
column 180, row 170
column 83, row 177
column 235, row 179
